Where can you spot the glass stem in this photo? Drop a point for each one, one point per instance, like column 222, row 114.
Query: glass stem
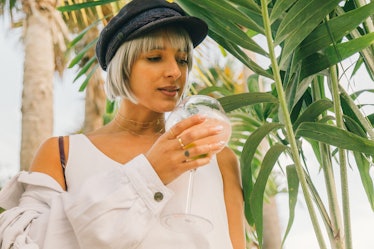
column 189, row 191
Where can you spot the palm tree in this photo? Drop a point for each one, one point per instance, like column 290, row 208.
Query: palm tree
column 307, row 41
column 44, row 37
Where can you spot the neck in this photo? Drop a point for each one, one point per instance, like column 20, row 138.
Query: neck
column 137, row 127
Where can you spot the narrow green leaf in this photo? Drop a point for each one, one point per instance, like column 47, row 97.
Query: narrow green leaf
column 85, row 68
column 334, row 54
column 224, row 23
column 221, row 10
column 110, row 106
column 84, row 5
column 248, row 152
column 293, row 189
column 336, row 137
column 82, row 33
column 85, row 82
column 364, row 166
column 236, row 101
column 313, row 111
column 234, row 34
column 249, row 4
column 280, row 7
column 239, row 54
column 338, row 27
column 300, row 21
column 321, row 207
column 302, row 18
column 81, row 53
column 212, row 89
column 257, row 195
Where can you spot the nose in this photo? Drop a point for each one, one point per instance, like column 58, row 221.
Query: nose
column 173, row 69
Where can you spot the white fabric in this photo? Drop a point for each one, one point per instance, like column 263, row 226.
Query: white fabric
column 108, row 205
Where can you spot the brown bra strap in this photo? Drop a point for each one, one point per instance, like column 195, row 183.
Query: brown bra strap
column 62, row 157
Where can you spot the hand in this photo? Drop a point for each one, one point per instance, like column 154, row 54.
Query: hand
column 187, row 145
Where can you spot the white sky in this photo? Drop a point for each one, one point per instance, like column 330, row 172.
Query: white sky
column 69, row 106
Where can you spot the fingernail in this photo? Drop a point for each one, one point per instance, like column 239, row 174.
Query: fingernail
column 221, row 143
column 218, row 128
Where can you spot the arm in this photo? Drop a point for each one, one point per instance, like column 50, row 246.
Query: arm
column 27, row 200
column 229, row 167
column 47, row 160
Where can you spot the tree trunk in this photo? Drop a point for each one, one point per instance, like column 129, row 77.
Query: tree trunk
column 37, row 95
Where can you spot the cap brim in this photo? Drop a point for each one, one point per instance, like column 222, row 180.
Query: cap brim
column 196, row 28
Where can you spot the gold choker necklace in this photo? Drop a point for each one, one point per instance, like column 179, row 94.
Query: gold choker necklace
column 135, row 128
column 141, row 125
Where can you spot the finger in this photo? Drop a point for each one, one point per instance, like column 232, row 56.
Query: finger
column 181, row 126
column 191, row 137
column 206, row 150
column 171, row 135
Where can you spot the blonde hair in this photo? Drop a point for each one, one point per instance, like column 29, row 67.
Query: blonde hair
column 117, row 83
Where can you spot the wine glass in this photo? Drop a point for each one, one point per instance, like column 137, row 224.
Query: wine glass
column 215, row 115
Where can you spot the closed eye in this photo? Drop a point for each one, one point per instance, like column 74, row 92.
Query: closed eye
column 182, row 61
column 154, row 58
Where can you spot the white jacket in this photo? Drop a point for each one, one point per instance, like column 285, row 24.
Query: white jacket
column 39, row 214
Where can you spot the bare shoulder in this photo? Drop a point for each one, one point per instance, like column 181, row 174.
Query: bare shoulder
column 228, row 162
column 47, row 159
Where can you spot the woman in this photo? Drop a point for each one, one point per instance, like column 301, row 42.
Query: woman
column 110, row 188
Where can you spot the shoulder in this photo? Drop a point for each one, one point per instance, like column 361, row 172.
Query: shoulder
column 47, row 159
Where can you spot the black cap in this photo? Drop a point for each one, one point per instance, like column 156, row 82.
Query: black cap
column 141, row 16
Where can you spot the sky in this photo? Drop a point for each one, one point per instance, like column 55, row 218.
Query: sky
column 69, row 107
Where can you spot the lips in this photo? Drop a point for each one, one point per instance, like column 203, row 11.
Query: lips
column 169, row 90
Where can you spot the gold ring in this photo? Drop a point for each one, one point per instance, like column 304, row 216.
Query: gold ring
column 172, row 133
column 180, row 142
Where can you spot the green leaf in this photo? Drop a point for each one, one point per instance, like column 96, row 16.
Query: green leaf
column 313, row 111
column 249, row 4
column 280, row 7
column 218, row 11
column 293, row 189
column 224, row 22
column 82, row 52
column 79, row 37
column 110, row 106
column 248, row 152
column 336, row 137
column 334, row 54
column 84, row 5
column 257, row 195
column 300, row 21
column 85, row 68
column 332, row 31
column 364, row 166
column 236, row 101
column 212, row 89
column 239, row 54
column 85, row 82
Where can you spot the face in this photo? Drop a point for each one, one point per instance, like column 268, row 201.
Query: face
column 158, row 77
